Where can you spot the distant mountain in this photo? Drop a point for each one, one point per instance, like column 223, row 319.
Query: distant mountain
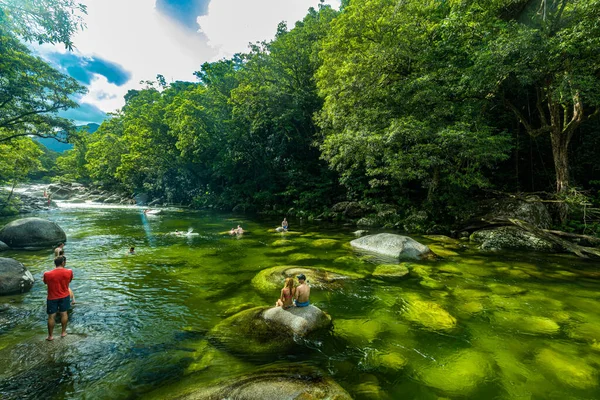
column 60, row 147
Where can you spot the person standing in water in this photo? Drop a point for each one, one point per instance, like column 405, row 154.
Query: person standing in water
column 284, row 224
column 58, row 249
column 59, row 295
column 286, row 299
column 302, row 292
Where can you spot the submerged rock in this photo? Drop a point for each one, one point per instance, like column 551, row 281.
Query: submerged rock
column 460, row 374
column 428, row 314
column 285, row 382
column 358, row 331
column 391, row 245
column 511, row 237
column 526, row 323
column 270, row 280
column 325, row 243
column 390, row 271
column 32, row 234
column 264, row 330
column 14, row 277
column 570, row 371
column 297, row 320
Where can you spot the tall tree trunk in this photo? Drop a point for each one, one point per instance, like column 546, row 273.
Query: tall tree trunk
column 560, row 152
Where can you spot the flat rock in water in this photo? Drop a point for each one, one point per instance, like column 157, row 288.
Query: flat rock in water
column 284, row 382
column 32, row 234
column 14, row 277
column 511, row 237
column 298, row 320
column 396, row 246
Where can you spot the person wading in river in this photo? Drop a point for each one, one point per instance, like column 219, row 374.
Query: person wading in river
column 302, row 292
column 58, row 249
column 59, row 298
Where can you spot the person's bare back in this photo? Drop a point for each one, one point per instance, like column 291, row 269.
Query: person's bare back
column 302, row 292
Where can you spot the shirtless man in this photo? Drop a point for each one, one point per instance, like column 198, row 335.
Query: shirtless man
column 302, row 292
column 59, row 295
column 58, row 250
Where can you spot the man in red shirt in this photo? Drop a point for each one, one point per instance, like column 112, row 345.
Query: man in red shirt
column 59, row 299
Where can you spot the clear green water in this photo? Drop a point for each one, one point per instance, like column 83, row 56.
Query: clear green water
column 471, row 325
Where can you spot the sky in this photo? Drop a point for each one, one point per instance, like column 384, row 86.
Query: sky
column 128, row 41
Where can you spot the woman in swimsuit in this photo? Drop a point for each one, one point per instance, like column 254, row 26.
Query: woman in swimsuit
column 287, row 294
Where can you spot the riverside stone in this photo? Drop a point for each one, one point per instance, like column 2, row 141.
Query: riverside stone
column 32, row 234
column 396, row 246
column 299, row 320
column 14, row 277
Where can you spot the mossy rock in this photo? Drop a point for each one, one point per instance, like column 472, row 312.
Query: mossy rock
column 282, row 250
column 420, row 270
column 248, row 333
column 587, row 331
column 389, row 360
column 270, row 280
column 471, row 307
column 289, row 381
column 281, row 243
column 442, row 251
column 450, row 269
column 325, row 243
column 503, row 289
column 301, row 257
column 286, row 233
column 469, row 294
column 569, row 370
column 459, row 375
column 442, row 239
column 428, row 314
column 390, row 271
column 358, row 331
column 347, row 260
column 530, row 324
column 430, row 283
column 506, row 303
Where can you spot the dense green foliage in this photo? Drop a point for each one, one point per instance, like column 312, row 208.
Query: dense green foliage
column 31, row 91
column 416, row 104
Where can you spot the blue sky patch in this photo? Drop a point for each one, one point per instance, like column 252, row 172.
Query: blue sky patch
column 184, row 11
column 83, row 68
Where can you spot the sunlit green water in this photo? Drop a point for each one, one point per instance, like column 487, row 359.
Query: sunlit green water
column 471, row 325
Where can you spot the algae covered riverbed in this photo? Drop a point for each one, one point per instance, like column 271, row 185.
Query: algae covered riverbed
column 469, row 325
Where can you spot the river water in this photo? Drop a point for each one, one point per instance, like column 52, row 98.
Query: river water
column 469, row 325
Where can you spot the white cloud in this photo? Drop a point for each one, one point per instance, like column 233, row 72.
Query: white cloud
column 135, row 35
column 231, row 24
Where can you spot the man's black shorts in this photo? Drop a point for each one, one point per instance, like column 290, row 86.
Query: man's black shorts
column 60, row 305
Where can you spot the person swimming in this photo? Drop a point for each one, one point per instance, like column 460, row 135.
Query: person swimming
column 285, row 300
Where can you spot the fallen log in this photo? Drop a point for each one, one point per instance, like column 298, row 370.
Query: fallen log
column 581, row 251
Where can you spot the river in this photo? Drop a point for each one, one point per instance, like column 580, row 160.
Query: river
column 469, row 325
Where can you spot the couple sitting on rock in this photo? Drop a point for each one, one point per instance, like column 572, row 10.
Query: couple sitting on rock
column 294, row 296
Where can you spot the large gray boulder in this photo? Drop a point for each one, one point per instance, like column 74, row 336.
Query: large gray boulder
column 390, row 245
column 14, row 277
column 32, row 234
column 529, row 209
column 298, row 320
column 511, row 237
